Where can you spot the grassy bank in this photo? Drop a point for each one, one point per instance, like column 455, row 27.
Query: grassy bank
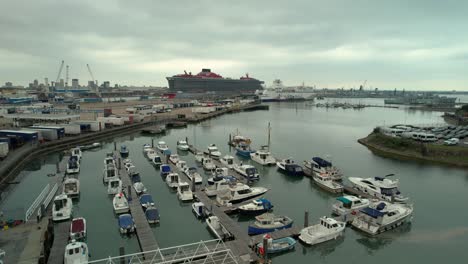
column 401, row 148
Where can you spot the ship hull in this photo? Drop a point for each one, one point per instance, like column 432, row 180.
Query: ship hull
column 213, row 84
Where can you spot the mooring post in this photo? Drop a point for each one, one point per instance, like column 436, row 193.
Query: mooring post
column 122, row 254
column 265, row 249
column 152, row 142
column 120, row 163
column 230, row 139
column 306, row 219
column 186, row 140
column 115, row 146
column 129, row 192
column 57, row 167
column 193, row 184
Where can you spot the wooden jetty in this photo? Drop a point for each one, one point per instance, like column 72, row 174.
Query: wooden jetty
column 61, row 231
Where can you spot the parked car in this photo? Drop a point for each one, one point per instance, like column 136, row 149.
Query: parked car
column 451, row 142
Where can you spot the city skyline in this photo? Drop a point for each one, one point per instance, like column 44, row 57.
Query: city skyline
column 412, row 46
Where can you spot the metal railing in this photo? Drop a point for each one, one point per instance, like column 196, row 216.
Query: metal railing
column 208, row 252
column 36, row 203
column 48, row 199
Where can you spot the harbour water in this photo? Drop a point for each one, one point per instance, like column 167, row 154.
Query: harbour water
column 439, row 231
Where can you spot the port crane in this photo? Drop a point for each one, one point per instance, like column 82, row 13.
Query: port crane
column 91, row 73
column 60, row 71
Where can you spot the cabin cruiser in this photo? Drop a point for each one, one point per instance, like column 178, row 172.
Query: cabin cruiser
column 182, row 145
column 78, row 229
column 208, row 163
column 325, row 182
column 218, row 229
column 263, row 156
column 269, row 222
column 181, row 165
column 165, row 170
column 327, row 229
column 228, row 161
column 244, row 150
column 276, row 245
column 348, row 204
column 240, row 192
column 193, row 175
column 71, row 187
column 62, row 208
column 73, row 165
column 162, row 147
column 379, row 187
column 139, row 188
column 126, row 224
column 289, row 167
column 110, row 172
column 213, row 180
column 151, row 153
column 114, row 186
column 124, row 152
column 120, row 204
column 199, row 156
column 218, row 174
column 131, row 169
column 146, row 148
column 76, row 252
column 183, row 192
column 248, row 171
column 76, row 152
column 108, row 161
column 213, row 152
column 258, row 206
column 318, row 165
column 152, row 215
column 146, row 200
column 200, row 210
column 212, row 190
column 174, row 158
column 172, row 180
column 382, row 216
column 157, row 162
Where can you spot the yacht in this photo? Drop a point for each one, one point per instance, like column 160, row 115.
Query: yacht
column 208, row 164
column 218, row 229
column 162, row 147
column 348, row 204
column 78, row 229
column 120, row 204
column 126, row 224
column 327, row 229
column 174, row 158
column 213, row 152
column 258, row 206
column 382, row 216
column 157, row 162
column 199, row 156
column 228, row 161
column 109, row 173
column 193, row 175
column 288, row 166
column 124, row 152
column 240, row 192
column 71, row 187
column 76, row 252
column 182, row 145
column 73, row 165
column 325, row 182
column 183, row 192
column 318, row 165
column 181, row 165
column 62, row 208
column 248, row 171
column 263, row 157
column 212, row 190
column 269, row 222
column 76, row 152
column 114, row 186
column 379, row 187
column 172, row 180
column 139, row 188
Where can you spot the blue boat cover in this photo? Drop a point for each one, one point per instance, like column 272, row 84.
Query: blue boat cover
column 344, row 200
column 125, row 221
column 372, row 212
column 165, row 168
column 146, row 198
column 321, row 162
column 136, row 177
column 152, row 214
column 123, row 148
column 266, row 203
column 380, row 206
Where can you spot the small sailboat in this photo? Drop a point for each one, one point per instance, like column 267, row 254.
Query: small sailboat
column 165, row 170
column 276, row 245
column 228, row 161
column 269, row 222
column 288, row 166
column 152, row 215
column 208, row 163
column 126, row 224
column 218, row 229
column 182, row 145
column 120, row 204
column 124, row 152
column 213, row 152
column 146, row 200
column 62, row 208
column 146, row 148
column 139, row 188
column 258, row 206
column 326, row 182
column 327, row 229
column 114, row 186
column 200, row 210
column 71, row 187
column 172, row 180
column 78, row 229
column 183, row 192
column 76, row 252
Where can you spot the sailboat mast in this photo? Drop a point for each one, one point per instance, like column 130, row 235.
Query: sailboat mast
column 269, row 130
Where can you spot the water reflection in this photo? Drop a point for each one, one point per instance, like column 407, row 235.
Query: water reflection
column 373, row 244
column 323, row 249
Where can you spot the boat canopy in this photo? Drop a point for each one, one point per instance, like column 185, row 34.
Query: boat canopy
column 192, row 169
column 125, row 221
column 152, row 214
column 372, row 212
column 146, row 199
column 266, row 203
column 344, row 200
column 321, row 162
column 77, row 225
column 165, row 168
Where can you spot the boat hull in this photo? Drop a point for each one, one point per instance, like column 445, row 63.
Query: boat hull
column 361, row 225
column 255, row 230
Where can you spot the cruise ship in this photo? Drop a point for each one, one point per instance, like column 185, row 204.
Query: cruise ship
column 208, row 81
column 278, row 92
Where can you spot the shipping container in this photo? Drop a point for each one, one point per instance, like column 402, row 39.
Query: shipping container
column 26, row 136
column 115, row 121
column 60, row 130
column 91, row 125
column 71, row 129
column 15, row 141
column 40, row 137
column 4, row 149
column 46, row 134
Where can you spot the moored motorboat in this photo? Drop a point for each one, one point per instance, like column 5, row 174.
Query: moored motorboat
column 78, row 229
column 208, row 163
column 172, row 180
column 152, row 215
column 174, row 158
column 157, row 162
column 124, row 152
column 76, row 152
column 193, row 175
column 76, row 252
column 348, row 204
column 327, row 229
column 199, row 156
column 151, row 153
column 263, row 156
column 326, row 182
column 218, row 229
column 109, row 172
column 228, row 161
column 183, row 192
column 120, row 204
column 139, row 188
column 162, row 146
column 213, row 152
column 288, row 166
column 244, row 150
column 71, row 187
column 182, row 145
column 248, row 171
column 114, row 186
column 276, row 245
column 146, row 200
column 258, row 206
column 269, row 222
column 126, row 224
column 62, row 208
column 239, row 192
column 319, row 165
column 181, row 165
column 379, row 187
column 200, row 210
column 73, row 165
column 165, row 170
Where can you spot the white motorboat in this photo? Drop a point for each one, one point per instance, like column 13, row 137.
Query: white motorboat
column 114, row 186
column 263, row 156
column 151, row 153
column 76, row 152
column 318, row 165
column 62, row 208
column 208, row 163
column 109, row 160
column 172, row 180
column 228, row 161
column 213, row 152
column 193, row 175
column 181, row 165
column 379, row 187
column 73, row 165
column 216, row 187
column 146, row 148
column 75, row 253
column 71, row 187
column 240, row 192
column 326, row 182
column 139, row 188
column 199, row 156
column 183, row 192
column 248, row 171
column 162, row 146
column 110, row 172
column 131, row 170
column 348, row 204
column 200, row 210
column 289, row 167
column 382, row 216
column 218, row 230
column 269, row 222
column 174, row 158
column 120, row 204
column 182, row 145
column 257, row 206
column 126, row 162
column 78, row 229
column 327, row 229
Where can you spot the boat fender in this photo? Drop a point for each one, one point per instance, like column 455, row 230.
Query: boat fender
column 353, row 212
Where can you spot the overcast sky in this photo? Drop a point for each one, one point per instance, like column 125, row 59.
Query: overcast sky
column 393, row 44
